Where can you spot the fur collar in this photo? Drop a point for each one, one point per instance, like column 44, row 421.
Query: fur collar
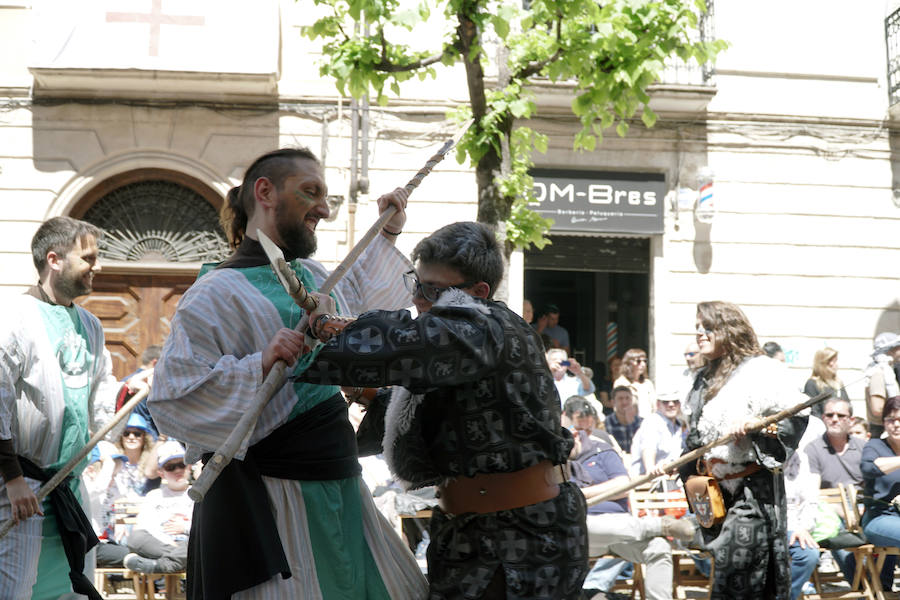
column 401, row 411
column 454, row 297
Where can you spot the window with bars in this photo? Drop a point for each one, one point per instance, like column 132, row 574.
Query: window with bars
column 157, row 221
column 892, row 39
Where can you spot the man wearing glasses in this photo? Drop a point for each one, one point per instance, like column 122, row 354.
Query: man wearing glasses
column 660, row 439
column 835, row 457
column 474, row 411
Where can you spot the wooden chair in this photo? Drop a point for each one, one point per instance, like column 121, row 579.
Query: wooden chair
column 861, row 586
column 144, row 589
column 874, row 555
column 673, row 503
column 103, row 583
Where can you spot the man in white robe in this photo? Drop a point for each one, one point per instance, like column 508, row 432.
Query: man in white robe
column 55, row 386
column 290, row 518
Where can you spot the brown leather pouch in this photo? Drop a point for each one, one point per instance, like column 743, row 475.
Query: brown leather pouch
column 705, row 497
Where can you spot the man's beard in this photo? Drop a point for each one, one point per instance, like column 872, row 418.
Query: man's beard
column 298, row 240
column 72, row 285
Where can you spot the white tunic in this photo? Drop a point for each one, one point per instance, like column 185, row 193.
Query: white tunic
column 207, row 378
column 32, row 409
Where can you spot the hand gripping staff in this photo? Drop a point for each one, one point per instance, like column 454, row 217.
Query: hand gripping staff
column 67, row 468
column 276, row 377
column 699, row 452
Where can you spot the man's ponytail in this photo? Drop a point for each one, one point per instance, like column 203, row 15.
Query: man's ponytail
column 233, row 217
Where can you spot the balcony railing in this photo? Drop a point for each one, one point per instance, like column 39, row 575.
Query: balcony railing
column 892, row 37
column 679, row 72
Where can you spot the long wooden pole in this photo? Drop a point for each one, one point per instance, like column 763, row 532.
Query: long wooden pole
column 67, row 468
column 276, row 377
column 693, row 455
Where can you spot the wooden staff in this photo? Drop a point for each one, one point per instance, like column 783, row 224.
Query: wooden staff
column 276, row 377
column 699, row 452
column 67, row 468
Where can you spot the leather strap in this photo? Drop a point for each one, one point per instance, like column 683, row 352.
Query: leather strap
column 492, row 492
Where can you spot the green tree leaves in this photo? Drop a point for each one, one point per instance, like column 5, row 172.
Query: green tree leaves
column 607, row 54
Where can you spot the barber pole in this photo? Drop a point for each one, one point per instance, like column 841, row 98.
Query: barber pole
column 612, row 340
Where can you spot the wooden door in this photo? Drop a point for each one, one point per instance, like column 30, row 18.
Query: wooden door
column 135, row 311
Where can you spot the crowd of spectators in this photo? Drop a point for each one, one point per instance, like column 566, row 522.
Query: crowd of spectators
column 626, row 427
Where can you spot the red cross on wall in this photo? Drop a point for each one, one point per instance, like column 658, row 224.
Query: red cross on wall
column 155, row 18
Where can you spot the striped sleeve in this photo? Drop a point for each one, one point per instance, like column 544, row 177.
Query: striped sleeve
column 375, row 281
column 211, row 364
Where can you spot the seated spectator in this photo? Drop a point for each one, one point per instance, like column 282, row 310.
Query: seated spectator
column 634, row 376
column 138, row 445
column 802, row 499
column 624, row 422
column 824, row 379
column 159, row 540
column 660, row 439
column 860, row 429
column 835, row 456
column 881, row 474
column 597, row 468
column 580, row 415
column 694, row 361
column 881, row 380
column 569, row 377
column 99, row 479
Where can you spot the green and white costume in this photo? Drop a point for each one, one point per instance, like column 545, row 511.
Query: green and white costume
column 336, row 543
column 55, row 386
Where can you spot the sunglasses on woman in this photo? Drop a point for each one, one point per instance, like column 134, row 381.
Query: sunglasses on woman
column 173, row 466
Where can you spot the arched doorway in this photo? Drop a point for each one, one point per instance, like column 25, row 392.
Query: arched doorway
column 159, row 227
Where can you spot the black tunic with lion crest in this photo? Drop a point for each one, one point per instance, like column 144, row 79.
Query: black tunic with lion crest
column 472, row 394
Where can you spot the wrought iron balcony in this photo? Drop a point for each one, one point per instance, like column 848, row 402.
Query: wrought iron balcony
column 892, row 38
column 678, row 72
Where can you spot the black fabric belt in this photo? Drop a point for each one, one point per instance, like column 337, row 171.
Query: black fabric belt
column 234, row 542
column 75, row 528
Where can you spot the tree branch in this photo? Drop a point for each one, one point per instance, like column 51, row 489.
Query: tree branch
column 536, row 67
column 386, row 66
column 389, row 67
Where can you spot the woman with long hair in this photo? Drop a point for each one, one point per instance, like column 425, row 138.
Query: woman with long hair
column 138, row 444
column 634, row 375
column 738, row 386
column 825, row 379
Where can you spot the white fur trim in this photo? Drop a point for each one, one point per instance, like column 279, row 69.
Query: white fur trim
column 456, row 297
column 397, row 421
column 759, row 387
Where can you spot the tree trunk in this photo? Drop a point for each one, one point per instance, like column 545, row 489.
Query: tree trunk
column 492, row 208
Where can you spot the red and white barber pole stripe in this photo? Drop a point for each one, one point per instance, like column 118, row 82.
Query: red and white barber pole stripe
column 706, row 207
column 612, row 340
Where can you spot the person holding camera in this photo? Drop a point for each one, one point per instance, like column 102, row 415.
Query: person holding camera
column 570, row 378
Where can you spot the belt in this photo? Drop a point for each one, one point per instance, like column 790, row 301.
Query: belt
column 704, row 468
column 492, row 492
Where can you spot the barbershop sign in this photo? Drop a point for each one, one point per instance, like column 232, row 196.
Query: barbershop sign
column 592, row 201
